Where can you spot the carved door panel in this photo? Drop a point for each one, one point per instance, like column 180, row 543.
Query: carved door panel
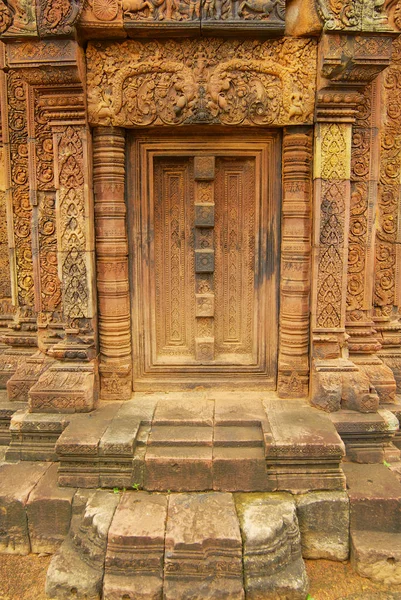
column 204, row 252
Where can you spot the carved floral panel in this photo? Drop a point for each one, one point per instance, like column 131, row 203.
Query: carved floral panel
column 201, row 81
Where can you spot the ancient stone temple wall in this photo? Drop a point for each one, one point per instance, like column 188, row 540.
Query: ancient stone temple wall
column 307, row 92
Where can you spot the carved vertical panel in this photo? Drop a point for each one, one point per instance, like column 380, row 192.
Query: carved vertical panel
column 112, row 263
column 386, row 292
column 19, row 191
column 387, row 287
column 293, row 367
column 174, row 279
column 363, row 343
column 332, row 217
column 6, row 308
column 73, row 223
column 236, row 247
column 50, row 292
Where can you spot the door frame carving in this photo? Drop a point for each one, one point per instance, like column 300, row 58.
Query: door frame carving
column 112, row 262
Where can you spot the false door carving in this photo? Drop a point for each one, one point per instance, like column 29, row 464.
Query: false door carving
column 204, row 234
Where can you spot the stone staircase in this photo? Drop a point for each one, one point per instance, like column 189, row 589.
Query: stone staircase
column 140, row 545
column 214, row 497
column 233, row 442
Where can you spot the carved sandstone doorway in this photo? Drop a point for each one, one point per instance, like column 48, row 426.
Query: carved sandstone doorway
column 203, row 218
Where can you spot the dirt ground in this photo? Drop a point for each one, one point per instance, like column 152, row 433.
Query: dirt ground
column 23, row 578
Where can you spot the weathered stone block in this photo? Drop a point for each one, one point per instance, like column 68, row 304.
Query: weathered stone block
column 375, row 498
column 358, row 394
column 49, row 512
column 76, row 570
column 324, row 524
column 273, row 566
column 203, row 548
column 16, row 484
column 178, row 468
column 377, row 555
column 135, row 551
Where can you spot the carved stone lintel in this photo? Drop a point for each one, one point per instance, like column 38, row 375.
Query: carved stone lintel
column 205, row 81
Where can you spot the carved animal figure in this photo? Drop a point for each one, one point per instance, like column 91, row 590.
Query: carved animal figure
column 259, row 6
column 132, row 6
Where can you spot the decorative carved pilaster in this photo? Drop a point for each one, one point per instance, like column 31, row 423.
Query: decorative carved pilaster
column 20, row 337
column 335, row 380
column 387, row 285
column 349, row 63
column 293, row 363
column 112, row 263
column 58, row 192
column 363, row 343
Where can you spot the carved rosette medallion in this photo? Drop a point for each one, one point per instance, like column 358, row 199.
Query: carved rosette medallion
column 180, row 82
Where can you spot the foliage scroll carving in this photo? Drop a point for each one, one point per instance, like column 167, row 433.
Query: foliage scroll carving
column 201, row 81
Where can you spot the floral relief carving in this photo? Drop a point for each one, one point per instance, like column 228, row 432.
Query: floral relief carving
column 389, row 188
column 71, row 202
column 22, row 210
column 17, row 17
column 331, row 252
column 360, row 173
column 201, row 81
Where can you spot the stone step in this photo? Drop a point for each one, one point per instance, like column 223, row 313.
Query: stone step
column 303, row 450
column 7, row 410
column 78, row 446
column 180, row 435
column 272, row 554
column 368, row 437
column 377, row 555
column 203, row 548
column 375, row 498
column 77, row 568
column 34, row 435
column 135, row 550
column 183, row 444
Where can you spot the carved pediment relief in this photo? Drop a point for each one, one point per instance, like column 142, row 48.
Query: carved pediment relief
column 170, row 82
